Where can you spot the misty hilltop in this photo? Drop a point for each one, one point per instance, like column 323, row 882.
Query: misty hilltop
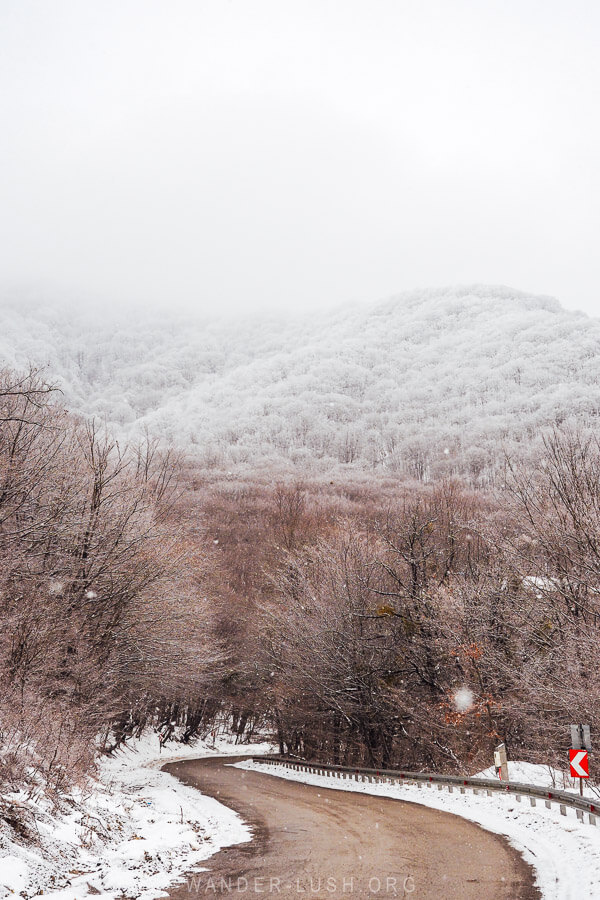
column 427, row 383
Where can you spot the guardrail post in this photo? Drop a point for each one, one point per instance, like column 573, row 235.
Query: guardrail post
column 548, row 804
column 563, row 809
column 592, row 819
column 532, row 801
column 579, row 814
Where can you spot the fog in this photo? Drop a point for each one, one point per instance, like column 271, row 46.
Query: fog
column 236, row 156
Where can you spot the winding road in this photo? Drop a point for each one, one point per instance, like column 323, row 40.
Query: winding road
column 311, row 842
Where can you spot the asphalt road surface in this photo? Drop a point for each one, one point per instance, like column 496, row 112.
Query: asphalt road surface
column 311, row 843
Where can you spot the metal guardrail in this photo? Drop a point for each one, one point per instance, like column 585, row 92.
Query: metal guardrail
column 477, row 785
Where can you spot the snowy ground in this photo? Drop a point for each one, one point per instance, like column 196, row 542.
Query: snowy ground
column 135, row 832
column 546, row 776
column 564, row 853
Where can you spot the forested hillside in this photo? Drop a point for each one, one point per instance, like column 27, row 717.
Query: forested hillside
column 344, row 615
column 431, row 383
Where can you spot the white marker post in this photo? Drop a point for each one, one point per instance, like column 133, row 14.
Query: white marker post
column 501, row 762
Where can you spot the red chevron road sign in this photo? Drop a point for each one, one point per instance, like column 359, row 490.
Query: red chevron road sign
column 580, row 766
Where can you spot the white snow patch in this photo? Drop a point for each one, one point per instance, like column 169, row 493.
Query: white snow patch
column 14, row 873
column 544, row 776
column 564, row 853
column 136, row 830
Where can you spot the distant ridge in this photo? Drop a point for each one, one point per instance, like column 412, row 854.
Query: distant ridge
column 427, row 383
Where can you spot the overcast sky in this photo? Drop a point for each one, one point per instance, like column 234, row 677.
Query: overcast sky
column 249, row 153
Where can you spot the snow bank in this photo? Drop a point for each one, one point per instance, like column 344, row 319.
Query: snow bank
column 564, row 853
column 135, row 832
column 544, row 776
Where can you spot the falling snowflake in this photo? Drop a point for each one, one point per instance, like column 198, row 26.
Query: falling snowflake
column 463, row 699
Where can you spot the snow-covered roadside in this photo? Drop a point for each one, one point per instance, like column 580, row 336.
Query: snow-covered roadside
column 545, row 776
column 135, row 832
column 564, row 853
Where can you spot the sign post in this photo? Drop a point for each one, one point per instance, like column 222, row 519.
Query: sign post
column 501, row 762
column 581, row 744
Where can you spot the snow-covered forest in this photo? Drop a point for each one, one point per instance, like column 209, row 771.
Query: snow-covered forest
column 429, row 384
column 387, row 465
column 137, row 587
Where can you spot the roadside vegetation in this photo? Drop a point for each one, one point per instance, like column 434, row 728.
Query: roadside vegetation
column 104, row 622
